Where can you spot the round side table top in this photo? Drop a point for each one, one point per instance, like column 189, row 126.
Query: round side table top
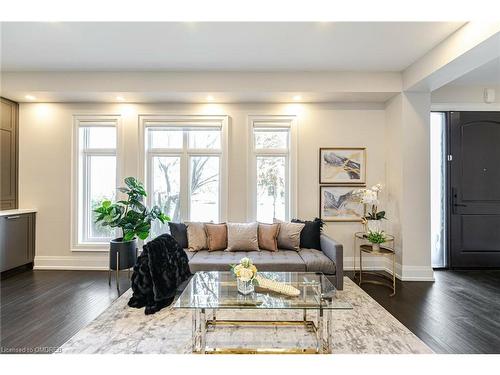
column 383, row 250
column 362, row 235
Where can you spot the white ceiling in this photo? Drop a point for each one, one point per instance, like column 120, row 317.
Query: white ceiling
column 195, row 46
column 486, row 75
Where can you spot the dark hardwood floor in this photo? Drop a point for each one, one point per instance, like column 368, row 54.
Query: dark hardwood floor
column 459, row 313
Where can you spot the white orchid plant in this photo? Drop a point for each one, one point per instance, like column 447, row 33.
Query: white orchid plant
column 370, row 198
column 245, row 270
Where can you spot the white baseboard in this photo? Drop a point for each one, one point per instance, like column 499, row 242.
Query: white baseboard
column 100, row 263
column 403, row 273
column 71, row 263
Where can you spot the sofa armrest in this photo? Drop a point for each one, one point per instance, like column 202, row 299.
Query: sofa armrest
column 334, row 251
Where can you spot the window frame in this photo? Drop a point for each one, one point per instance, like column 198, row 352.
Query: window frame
column 185, row 153
column 290, row 154
column 80, row 189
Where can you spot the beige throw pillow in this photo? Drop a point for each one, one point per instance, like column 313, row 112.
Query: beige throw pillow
column 197, row 238
column 268, row 236
column 242, row 237
column 216, row 236
column 289, row 235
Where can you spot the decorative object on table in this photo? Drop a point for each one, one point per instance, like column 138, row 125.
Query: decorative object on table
column 376, row 238
column 133, row 218
column 276, row 286
column 369, row 198
column 245, row 273
column 342, row 166
column 160, row 269
column 311, row 233
column 339, row 203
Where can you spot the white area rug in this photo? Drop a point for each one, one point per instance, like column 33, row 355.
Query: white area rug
column 367, row 328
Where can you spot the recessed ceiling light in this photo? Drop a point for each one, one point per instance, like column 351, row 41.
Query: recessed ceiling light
column 30, row 97
column 297, row 98
column 120, row 98
column 210, row 98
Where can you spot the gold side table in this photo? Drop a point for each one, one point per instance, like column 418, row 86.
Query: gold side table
column 387, row 249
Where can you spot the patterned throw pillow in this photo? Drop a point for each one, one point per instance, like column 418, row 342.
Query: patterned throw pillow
column 268, row 236
column 242, row 237
column 289, row 235
column 197, row 238
column 216, row 236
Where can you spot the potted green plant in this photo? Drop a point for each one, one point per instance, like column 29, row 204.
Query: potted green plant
column 376, row 238
column 132, row 217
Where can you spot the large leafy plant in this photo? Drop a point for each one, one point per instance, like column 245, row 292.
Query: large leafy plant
column 131, row 215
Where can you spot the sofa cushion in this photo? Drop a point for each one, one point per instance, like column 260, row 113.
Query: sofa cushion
column 189, row 253
column 268, row 236
column 317, row 261
column 242, row 237
column 289, row 235
column 277, row 261
column 216, row 236
column 197, row 238
column 219, row 260
column 179, row 232
column 310, row 235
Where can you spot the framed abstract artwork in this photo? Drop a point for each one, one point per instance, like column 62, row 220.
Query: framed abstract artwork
column 342, row 166
column 338, row 203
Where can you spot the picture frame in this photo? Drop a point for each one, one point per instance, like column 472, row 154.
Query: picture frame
column 342, row 166
column 337, row 204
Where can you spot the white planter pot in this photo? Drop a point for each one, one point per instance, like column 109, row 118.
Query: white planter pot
column 375, row 246
column 374, row 225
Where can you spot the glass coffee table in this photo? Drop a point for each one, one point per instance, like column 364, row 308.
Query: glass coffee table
column 211, row 292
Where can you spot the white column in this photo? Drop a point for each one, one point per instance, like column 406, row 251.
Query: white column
column 408, row 182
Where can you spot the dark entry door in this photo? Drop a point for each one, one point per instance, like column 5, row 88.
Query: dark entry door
column 475, row 189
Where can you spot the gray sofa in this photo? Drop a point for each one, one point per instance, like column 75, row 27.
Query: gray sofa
column 328, row 261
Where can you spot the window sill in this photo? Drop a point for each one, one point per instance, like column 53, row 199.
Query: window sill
column 90, row 248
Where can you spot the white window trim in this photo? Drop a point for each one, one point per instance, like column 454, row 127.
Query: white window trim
column 202, row 121
column 79, row 121
column 272, row 121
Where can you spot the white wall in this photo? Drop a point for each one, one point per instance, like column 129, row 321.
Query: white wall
column 45, row 161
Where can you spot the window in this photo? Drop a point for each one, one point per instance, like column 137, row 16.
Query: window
column 96, row 176
column 438, row 189
column 271, row 168
column 185, row 167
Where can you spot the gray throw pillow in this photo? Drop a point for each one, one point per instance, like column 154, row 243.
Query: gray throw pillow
column 289, row 235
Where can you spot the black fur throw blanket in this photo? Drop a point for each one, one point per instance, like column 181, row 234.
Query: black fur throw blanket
column 159, row 270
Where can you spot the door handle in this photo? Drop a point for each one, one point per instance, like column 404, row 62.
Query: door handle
column 13, row 217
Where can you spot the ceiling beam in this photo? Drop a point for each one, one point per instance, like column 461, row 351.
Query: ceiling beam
column 78, row 82
column 471, row 46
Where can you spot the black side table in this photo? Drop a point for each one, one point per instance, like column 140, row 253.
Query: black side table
column 122, row 256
